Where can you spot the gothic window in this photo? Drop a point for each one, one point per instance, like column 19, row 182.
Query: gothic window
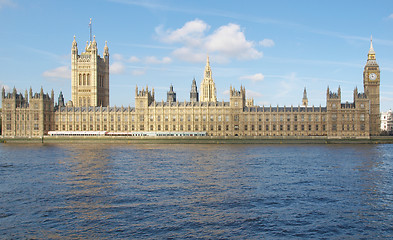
column 98, row 127
column 151, row 127
column 236, row 118
column 84, row 79
column 80, row 79
column 362, row 117
column 88, row 79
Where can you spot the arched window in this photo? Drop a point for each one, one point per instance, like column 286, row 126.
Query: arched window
column 80, row 79
column 88, row 79
column 84, row 79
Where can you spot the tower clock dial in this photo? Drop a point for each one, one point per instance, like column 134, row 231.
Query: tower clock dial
column 372, row 76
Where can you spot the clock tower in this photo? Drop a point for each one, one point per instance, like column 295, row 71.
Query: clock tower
column 371, row 82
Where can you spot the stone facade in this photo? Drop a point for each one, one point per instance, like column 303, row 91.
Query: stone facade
column 35, row 114
column 89, row 76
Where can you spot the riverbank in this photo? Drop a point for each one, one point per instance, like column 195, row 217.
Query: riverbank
column 195, row 140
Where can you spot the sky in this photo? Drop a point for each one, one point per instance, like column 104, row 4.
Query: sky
column 273, row 48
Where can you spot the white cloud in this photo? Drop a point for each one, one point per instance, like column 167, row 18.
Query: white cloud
column 138, row 72
column 155, row 60
column 60, row 72
column 391, row 16
column 253, row 94
column 6, row 87
column 191, row 33
column 226, row 92
column 117, row 68
column 133, row 59
column 7, row 3
column 267, row 43
column 230, row 41
column 117, row 57
column 254, row 78
column 224, row 43
column 189, row 55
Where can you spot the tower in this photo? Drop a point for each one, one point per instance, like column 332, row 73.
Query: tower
column 371, row 82
column 89, row 75
column 305, row 100
column 208, row 88
column 171, row 95
column 194, row 95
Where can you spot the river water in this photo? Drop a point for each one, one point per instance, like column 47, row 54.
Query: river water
column 196, row 191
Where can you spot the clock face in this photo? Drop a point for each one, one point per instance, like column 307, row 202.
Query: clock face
column 372, row 76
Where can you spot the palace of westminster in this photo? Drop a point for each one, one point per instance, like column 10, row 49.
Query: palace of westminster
column 37, row 114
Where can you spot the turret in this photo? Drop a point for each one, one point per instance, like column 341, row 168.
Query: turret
column 60, row 101
column 305, row 100
column 194, row 95
column 171, row 95
column 106, row 51
column 3, row 93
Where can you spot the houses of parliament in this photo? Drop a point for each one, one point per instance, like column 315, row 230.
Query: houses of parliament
column 89, row 113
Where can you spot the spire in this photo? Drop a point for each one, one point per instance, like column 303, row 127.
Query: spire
column 305, row 100
column 371, row 45
column 207, row 60
column 74, row 44
column 106, row 49
column 91, row 29
column 371, row 52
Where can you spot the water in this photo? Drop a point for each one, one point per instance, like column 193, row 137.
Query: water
column 196, row 191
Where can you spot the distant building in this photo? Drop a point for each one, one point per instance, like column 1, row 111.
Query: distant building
column 387, row 121
column 34, row 115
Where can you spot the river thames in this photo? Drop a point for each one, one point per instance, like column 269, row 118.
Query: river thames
column 196, row 191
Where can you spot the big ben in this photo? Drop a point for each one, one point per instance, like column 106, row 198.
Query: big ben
column 371, row 82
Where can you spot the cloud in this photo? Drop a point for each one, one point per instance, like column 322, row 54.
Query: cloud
column 254, row 78
column 225, row 43
column 60, row 72
column 231, row 42
column 6, row 87
column 267, row 43
column 155, row 60
column 7, row 3
column 189, row 55
column 138, row 72
column 133, row 59
column 117, row 57
column 117, row 68
column 253, row 94
column 391, row 16
column 191, row 33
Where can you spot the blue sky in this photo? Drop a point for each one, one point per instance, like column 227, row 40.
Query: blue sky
column 273, row 48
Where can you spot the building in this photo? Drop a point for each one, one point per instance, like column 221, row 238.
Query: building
column 89, row 75
column 387, row 122
column 32, row 115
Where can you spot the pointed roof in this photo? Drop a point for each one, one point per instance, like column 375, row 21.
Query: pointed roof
column 371, row 51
